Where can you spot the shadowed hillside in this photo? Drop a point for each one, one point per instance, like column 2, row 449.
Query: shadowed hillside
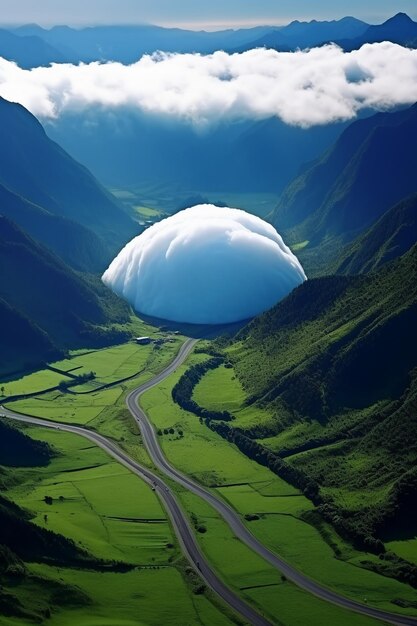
column 369, row 169
column 38, row 170
column 49, row 306
column 391, row 236
column 334, row 366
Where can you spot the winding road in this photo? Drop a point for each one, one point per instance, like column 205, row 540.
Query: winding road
column 180, row 520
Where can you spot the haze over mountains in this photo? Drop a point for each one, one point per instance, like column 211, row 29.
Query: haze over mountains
column 390, row 237
column 34, row 167
column 399, row 29
column 252, row 156
column 309, row 34
column 349, row 33
column 32, row 45
column 122, row 145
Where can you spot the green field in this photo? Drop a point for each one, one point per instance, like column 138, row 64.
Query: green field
column 148, row 214
column 115, row 516
column 86, row 402
column 259, row 582
column 109, row 364
column 153, row 200
column 67, row 407
column 103, row 409
column 253, row 489
column 220, row 390
column 37, row 381
column 98, row 511
column 96, row 501
column 407, row 548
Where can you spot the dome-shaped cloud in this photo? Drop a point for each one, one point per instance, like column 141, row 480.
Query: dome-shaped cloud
column 205, row 265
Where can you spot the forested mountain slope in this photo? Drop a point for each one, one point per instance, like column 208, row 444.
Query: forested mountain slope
column 334, row 366
column 45, row 306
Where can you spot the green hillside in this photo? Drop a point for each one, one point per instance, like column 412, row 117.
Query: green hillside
column 371, row 167
column 75, row 244
column 390, row 237
column 330, row 389
column 49, row 306
column 23, row 344
column 37, row 169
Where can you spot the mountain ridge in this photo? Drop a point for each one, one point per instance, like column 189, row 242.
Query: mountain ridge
column 35, row 168
column 69, row 240
column 334, row 367
column 399, row 28
column 351, row 186
column 35, row 288
column 390, row 237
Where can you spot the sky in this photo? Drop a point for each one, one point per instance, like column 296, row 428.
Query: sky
column 195, row 14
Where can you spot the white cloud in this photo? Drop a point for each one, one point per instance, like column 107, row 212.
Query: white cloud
column 205, row 265
column 310, row 87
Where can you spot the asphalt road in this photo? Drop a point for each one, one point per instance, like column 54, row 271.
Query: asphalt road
column 230, row 516
column 180, row 521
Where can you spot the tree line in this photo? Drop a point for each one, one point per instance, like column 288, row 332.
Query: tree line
column 364, row 536
column 182, row 393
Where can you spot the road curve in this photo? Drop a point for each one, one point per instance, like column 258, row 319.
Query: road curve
column 231, row 517
column 179, row 519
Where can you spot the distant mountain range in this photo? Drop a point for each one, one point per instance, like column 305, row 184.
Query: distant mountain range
column 28, row 51
column 32, row 45
column 349, row 33
column 399, row 29
column 309, row 34
column 127, row 44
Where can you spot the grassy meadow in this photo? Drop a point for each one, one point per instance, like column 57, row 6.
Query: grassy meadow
column 284, row 523
column 115, row 516
column 150, row 201
column 221, row 387
column 93, row 505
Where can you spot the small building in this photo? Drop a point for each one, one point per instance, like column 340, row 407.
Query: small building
column 142, row 341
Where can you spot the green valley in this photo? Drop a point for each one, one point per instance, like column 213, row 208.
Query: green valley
column 208, row 314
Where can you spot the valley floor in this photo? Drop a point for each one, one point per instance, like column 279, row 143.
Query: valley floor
column 114, row 516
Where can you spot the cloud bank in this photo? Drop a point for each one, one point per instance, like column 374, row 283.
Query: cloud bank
column 205, row 265
column 304, row 88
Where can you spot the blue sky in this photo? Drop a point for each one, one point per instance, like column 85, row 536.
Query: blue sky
column 210, row 14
